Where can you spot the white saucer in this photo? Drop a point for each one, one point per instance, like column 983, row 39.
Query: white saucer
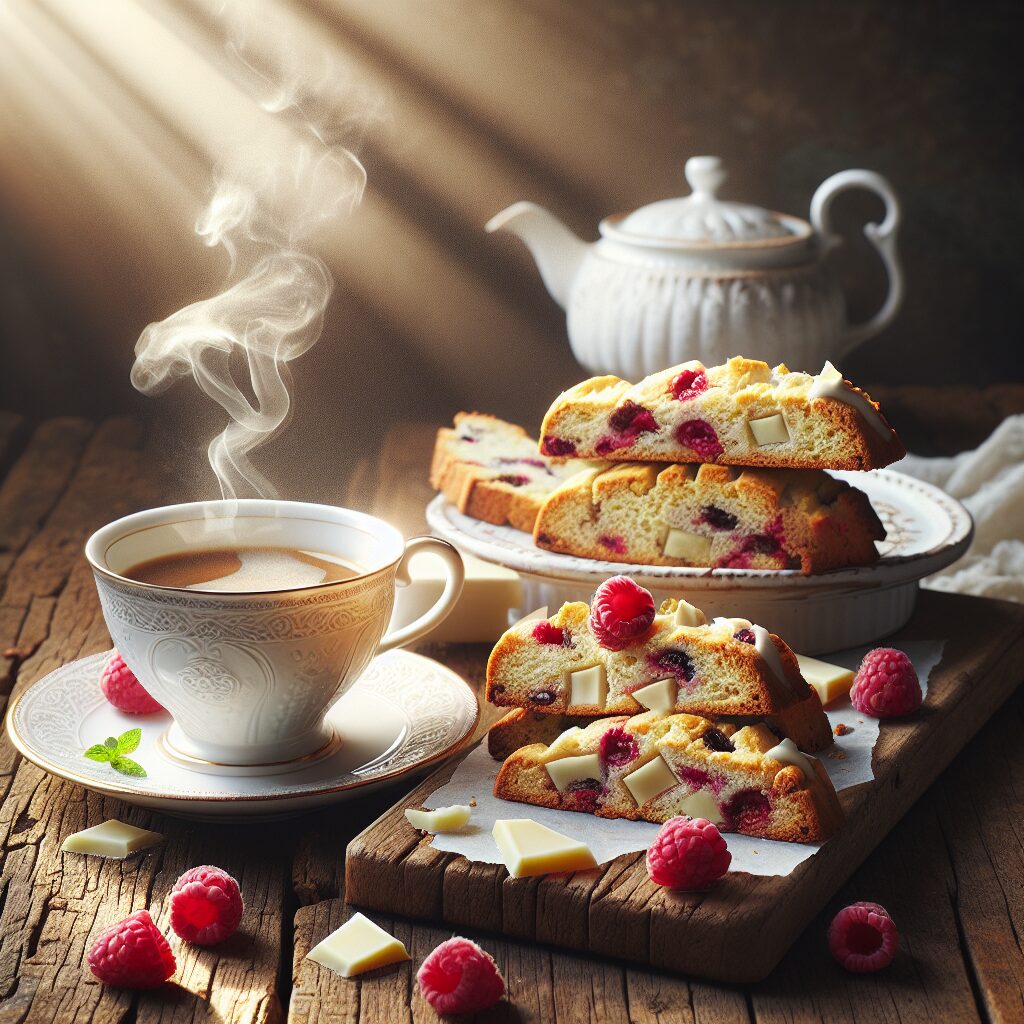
column 402, row 715
column 927, row 530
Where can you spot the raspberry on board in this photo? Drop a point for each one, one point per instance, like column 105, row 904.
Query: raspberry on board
column 132, row 954
column 863, row 937
column 460, row 977
column 621, row 614
column 886, row 685
column 687, row 853
column 206, row 905
column 124, row 691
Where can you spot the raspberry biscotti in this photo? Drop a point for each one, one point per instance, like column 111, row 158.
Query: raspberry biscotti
column 652, row 767
column 743, row 413
column 673, row 662
column 719, row 516
column 490, row 470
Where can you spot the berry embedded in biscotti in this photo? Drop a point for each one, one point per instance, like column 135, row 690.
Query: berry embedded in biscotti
column 653, row 767
column 648, row 513
column 490, row 470
column 743, row 413
column 675, row 662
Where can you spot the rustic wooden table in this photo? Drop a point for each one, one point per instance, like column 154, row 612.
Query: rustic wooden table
column 952, row 873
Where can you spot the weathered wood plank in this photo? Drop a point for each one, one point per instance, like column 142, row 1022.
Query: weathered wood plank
column 55, row 903
column 29, row 491
column 710, row 934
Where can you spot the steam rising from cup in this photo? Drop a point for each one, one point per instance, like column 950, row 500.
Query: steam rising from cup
column 264, row 212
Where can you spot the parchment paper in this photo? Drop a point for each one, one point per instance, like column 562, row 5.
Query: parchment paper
column 848, row 763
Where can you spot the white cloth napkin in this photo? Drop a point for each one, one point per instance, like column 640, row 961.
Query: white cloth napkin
column 990, row 483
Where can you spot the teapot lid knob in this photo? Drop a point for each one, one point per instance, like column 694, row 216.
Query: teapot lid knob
column 705, row 175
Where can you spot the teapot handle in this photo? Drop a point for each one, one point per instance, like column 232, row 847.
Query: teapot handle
column 881, row 236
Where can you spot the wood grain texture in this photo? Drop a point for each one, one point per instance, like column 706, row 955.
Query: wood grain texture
column 618, row 912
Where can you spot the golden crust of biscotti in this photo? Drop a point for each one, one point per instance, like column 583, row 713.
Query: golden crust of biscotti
column 733, row 518
column 490, row 470
column 520, row 728
column 715, row 673
column 609, row 418
column 743, row 775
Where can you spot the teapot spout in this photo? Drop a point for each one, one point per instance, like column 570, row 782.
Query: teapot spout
column 556, row 250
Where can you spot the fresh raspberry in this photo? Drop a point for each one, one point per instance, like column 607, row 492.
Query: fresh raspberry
column 618, row 747
column 700, row 437
column 132, row 954
column 863, row 938
column 206, row 905
column 545, row 633
column 687, row 853
column 886, row 685
column 688, row 384
column 621, row 614
column 124, row 691
column 460, row 977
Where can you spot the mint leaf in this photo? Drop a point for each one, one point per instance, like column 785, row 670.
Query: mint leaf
column 110, row 743
column 129, row 741
column 126, row 766
column 97, row 752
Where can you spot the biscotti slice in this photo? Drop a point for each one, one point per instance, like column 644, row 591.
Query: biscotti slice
column 521, row 727
column 653, row 767
column 743, row 413
column 490, row 470
column 558, row 666
column 649, row 513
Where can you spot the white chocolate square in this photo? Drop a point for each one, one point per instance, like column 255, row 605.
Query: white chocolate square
column 567, row 770
column 442, row 819
column 701, row 805
column 530, row 848
column 689, row 615
column 358, row 945
column 112, row 838
column 588, row 687
column 658, row 696
column 830, row 681
column 769, row 430
column 650, row 781
column 683, row 544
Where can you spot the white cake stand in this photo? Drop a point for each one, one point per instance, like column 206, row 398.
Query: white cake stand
column 926, row 530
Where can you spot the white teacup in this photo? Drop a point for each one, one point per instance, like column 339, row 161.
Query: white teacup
column 248, row 677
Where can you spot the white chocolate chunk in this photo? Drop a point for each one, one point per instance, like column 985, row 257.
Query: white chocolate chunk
column 830, row 384
column 701, row 805
column 830, row 681
column 789, row 753
column 530, row 848
column 649, row 781
column 683, row 544
column 442, row 819
column 658, row 696
column 358, row 945
column 588, row 687
column 765, row 646
column 567, row 770
column 769, row 430
column 688, row 615
column 733, row 625
column 112, row 838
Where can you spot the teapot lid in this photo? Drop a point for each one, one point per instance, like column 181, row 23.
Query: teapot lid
column 703, row 217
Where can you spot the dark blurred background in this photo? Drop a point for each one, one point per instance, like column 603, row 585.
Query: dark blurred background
column 113, row 115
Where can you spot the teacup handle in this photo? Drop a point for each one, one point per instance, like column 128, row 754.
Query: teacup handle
column 456, row 574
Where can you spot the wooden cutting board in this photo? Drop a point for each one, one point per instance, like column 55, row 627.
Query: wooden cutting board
column 739, row 930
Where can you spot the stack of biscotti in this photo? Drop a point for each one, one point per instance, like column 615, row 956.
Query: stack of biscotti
column 683, row 716
column 720, row 466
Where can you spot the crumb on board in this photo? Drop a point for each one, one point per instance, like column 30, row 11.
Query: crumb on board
column 837, row 755
column 842, row 729
column 472, row 803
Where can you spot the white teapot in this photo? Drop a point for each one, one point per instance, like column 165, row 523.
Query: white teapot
column 701, row 278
